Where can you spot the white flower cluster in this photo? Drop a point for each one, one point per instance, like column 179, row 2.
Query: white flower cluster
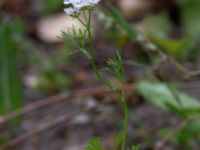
column 75, row 6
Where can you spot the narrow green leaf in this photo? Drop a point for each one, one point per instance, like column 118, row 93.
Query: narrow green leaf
column 160, row 95
column 122, row 22
column 10, row 84
column 118, row 140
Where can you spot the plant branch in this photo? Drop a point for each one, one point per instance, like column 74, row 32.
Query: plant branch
column 59, row 121
column 55, row 99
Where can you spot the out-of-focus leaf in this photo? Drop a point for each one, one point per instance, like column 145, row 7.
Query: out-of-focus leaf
column 135, row 147
column 47, row 6
column 160, row 95
column 53, row 5
column 118, row 140
column 122, row 22
column 94, row 144
column 174, row 47
column 189, row 134
column 157, row 26
column 190, row 14
column 2, row 142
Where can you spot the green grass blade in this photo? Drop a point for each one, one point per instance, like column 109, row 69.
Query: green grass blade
column 122, row 21
column 10, row 84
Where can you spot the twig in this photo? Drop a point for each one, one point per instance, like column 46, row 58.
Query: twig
column 60, row 120
column 34, row 106
column 49, row 101
column 55, row 99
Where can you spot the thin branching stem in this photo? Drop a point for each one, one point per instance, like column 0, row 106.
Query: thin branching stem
column 87, row 24
column 92, row 61
column 125, row 122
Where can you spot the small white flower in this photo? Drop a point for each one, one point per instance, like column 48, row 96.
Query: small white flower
column 71, row 11
column 75, row 6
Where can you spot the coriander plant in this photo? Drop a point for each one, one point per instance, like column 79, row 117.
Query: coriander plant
column 82, row 11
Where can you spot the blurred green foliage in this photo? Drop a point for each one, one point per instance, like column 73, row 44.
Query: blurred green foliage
column 158, row 28
column 175, row 47
column 158, row 25
column 53, row 5
column 189, row 136
column 10, row 83
column 118, row 140
column 48, row 6
column 189, row 16
column 94, row 144
column 161, row 95
column 121, row 21
column 178, row 102
column 50, row 78
column 135, row 147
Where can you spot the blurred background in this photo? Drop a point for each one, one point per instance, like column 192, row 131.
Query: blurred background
column 46, row 89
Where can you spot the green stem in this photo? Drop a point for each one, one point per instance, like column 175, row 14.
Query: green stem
column 92, row 61
column 99, row 76
column 107, row 83
column 125, row 122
